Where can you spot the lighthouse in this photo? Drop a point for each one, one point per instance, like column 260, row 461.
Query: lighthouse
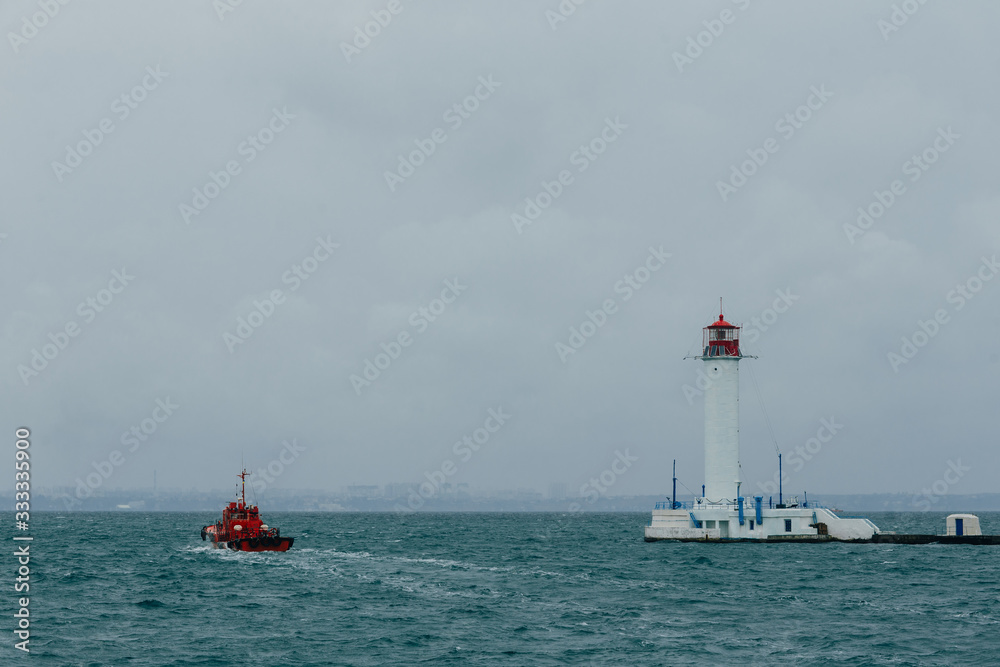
column 721, row 356
column 721, row 512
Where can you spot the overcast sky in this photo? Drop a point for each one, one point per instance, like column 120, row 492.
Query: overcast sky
column 181, row 164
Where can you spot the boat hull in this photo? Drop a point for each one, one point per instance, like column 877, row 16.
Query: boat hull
column 257, row 544
column 270, row 542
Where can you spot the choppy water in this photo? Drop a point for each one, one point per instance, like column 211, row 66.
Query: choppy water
column 519, row 589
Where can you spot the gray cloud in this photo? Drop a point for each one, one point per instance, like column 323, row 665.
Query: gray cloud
column 324, row 176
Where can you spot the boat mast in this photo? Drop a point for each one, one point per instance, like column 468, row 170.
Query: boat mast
column 243, row 491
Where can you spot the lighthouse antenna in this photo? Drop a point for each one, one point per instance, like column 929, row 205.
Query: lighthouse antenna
column 720, row 308
column 780, row 501
column 673, row 502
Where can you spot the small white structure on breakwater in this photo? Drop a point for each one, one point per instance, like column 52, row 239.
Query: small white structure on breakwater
column 962, row 524
column 722, row 513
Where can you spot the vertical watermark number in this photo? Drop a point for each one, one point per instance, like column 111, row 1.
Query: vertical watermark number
column 22, row 509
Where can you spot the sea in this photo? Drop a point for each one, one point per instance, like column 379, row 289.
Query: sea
column 129, row 588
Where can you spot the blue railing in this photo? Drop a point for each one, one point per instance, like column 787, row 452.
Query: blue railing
column 680, row 505
column 690, row 504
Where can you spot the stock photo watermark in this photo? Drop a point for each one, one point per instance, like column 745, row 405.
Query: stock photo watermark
column 786, row 126
column 581, row 158
column 364, row 34
column 88, row 309
column 249, row 149
column 455, row 116
column 289, row 454
column 122, row 107
column 134, row 438
column 929, row 496
column 597, row 487
column 761, row 323
column 32, row 23
column 223, row 7
column 698, row 43
column 803, row 453
column 915, row 167
column 927, row 329
column 562, row 12
column 420, row 320
column 630, row 283
column 264, row 308
column 750, row 334
column 899, row 17
column 464, row 449
column 22, row 516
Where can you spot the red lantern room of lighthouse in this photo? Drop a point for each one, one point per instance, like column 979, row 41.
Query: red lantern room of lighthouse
column 721, row 339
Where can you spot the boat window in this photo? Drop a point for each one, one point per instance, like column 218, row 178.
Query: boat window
column 751, row 524
column 788, row 525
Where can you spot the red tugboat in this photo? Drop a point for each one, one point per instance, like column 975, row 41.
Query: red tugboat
column 241, row 528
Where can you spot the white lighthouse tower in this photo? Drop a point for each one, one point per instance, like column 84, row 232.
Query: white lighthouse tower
column 721, row 356
column 722, row 513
